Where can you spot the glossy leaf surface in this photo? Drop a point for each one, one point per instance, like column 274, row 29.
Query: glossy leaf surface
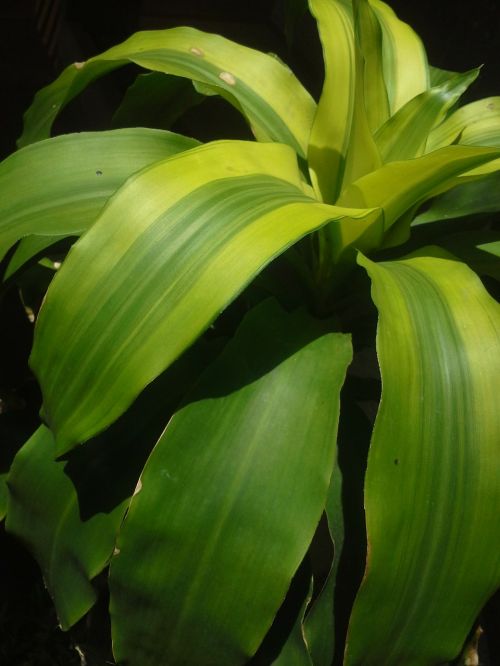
column 405, row 134
column 68, row 512
column 44, row 513
column 59, row 186
column 404, row 59
column 431, row 488
column 232, row 530
column 168, row 254
column 266, row 91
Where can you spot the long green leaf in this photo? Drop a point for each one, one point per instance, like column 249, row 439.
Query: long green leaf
column 341, row 147
column 398, row 186
column 67, row 512
column 405, row 134
column 201, row 580
column 405, row 61
column 370, row 38
column 276, row 105
column 450, row 130
column 480, row 196
column 178, row 243
column 431, row 489
column 44, row 512
column 330, row 134
column 59, row 186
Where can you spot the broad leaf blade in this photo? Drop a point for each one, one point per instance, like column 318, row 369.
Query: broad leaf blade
column 405, row 61
column 44, row 513
column 68, row 512
column 398, row 186
column 274, row 102
column 480, row 196
column 341, row 147
column 431, row 489
column 59, row 186
column 330, row 134
column 370, row 38
column 450, row 130
column 177, row 245
column 232, row 530
column 405, row 134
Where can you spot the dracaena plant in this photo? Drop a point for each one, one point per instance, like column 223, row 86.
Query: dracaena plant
column 192, row 348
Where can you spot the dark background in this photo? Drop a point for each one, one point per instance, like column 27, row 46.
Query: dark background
column 39, row 37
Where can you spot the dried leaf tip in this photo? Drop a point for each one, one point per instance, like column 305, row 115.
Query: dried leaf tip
column 228, row 78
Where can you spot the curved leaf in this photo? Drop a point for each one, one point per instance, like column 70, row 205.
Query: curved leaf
column 341, row 147
column 369, row 32
column 431, row 488
column 68, row 512
column 276, row 105
column 480, row 196
column 398, row 186
column 405, row 61
column 450, row 130
column 405, row 134
column 232, row 530
column 330, row 134
column 44, row 513
column 59, row 186
column 179, row 242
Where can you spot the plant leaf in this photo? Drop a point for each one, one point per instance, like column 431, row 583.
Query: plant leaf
column 405, row 134
column 450, row 130
column 405, row 61
column 43, row 512
column 274, row 102
column 232, row 530
column 59, row 186
column 431, row 488
column 398, row 186
column 479, row 196
column 370, row 37
column 179, row 242
column 68, row 512
column 330, row 134
column 341, row 147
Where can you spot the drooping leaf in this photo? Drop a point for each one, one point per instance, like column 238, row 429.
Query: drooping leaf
column 480, row 196
column 44, row 513
column 405, row 134
column 156, row 269
column 431, row 489
column 405, row 61
column 450, row 130
column 156, row 100
column 274, row 102
column 59, row 186
column 232, row 530
column 68, row 512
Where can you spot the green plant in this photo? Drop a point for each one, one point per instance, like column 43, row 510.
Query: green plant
column 194, row 343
